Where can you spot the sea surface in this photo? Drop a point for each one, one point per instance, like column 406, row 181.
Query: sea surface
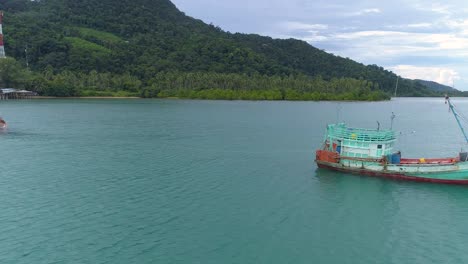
column 175, row 181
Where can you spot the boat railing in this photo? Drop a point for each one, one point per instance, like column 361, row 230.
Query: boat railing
column 407, row 162
column 362, row 159
column 341, row 131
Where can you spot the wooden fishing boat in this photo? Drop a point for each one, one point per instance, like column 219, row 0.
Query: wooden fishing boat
column 370, row 152
column 3, row 124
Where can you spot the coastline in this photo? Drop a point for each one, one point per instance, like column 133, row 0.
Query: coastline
column 204, row 99
column 182, row 98
column 86, row 97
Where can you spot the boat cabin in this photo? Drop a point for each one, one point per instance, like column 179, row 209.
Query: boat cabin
column 358, row 142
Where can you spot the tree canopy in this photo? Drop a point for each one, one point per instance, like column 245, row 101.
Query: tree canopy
column 147, row 47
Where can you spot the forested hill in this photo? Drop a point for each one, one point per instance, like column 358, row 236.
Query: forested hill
column 149, row 48
column 438, row 87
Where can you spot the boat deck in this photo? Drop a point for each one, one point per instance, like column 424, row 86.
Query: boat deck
column 405, row 161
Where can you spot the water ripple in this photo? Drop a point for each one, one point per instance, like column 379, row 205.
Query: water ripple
column 211, row 182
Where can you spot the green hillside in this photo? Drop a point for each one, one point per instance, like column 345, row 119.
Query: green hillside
column 438, row 87
column 149, row 48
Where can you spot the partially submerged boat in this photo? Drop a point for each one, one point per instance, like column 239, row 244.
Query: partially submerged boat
column 3, row 124
column 370, row 152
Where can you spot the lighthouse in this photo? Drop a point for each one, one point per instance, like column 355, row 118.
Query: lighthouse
column 2, row 48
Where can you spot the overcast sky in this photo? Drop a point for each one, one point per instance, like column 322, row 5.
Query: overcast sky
column 414, row 38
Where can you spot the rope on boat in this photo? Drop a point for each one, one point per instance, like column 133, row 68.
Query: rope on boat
column 458, row 116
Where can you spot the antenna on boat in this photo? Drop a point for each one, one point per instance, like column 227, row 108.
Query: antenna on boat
column 338, row 112
column 378, row 125
column 392, row 117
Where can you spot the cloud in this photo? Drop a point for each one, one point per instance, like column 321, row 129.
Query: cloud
column 442, row 9
column 315, row 38
column 365, row 12
column 434, row 7
column 398, row 43
column 311, row 32
column 292, row 25
column 459, row 26
column 420, row 25
column 445, row 76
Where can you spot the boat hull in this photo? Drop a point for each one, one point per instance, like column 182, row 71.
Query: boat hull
column 431, row 177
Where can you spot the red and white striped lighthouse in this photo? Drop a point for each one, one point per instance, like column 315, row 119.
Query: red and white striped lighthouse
column 2, row 48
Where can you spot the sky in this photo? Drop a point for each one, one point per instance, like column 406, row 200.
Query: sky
column 414, row 38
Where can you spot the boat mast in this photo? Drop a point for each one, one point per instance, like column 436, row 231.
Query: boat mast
column 396, row 86
column 455, row 114
column 392, row 117
column 394, row 95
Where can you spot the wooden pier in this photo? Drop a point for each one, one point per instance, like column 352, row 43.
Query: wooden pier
column 14, row 94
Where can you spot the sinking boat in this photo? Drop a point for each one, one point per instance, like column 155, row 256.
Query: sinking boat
column 371, row 152
column 3, row 124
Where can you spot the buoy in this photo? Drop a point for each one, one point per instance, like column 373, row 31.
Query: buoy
column 422, row 160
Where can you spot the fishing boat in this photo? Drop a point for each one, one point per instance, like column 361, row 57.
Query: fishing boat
column 371, row 152
column 3, row 124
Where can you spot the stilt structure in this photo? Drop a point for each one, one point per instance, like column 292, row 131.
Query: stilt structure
column 2, row 48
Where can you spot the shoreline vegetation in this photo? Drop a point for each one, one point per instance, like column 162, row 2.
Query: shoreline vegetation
column 189, row 85
column 186, row 98
column 179, row 98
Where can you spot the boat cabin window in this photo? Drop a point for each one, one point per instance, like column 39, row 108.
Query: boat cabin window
column 379, row 146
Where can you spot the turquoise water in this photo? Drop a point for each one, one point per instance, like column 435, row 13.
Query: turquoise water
column 173, row 181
